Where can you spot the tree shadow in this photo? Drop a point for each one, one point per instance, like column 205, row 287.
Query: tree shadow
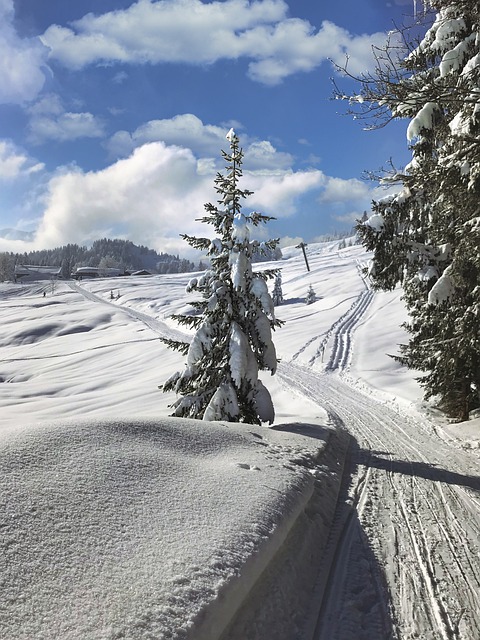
column 418, row 469
column 356, row 594
column 351, row 590
column 313, row 430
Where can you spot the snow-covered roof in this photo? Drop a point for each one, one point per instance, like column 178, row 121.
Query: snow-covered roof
column 31, row 269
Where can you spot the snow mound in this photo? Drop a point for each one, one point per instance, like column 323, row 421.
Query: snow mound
column 145, row 528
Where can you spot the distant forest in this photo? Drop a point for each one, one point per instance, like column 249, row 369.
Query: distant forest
column 119, row 254
column 106, row 253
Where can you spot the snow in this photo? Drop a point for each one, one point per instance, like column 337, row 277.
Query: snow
column 259, row 288
column 223, row 402
column 85, row 559
column 240, row 264
column 240, row 230
column 231, row 135
column 452, row 61
column 199, row 345
column 375, row 222
column 118, row 521
column 242, row 362
column 264, row 403
column 423, row 120
column 472, row 63
column 442, row 289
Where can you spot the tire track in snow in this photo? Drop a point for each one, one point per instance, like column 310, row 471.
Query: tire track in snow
column 419, row 515
column 342, row 339
column 341, row 330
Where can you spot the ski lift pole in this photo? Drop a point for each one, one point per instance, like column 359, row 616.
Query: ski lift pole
column 302, row 246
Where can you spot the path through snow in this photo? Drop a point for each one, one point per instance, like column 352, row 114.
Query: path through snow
column 409, row 558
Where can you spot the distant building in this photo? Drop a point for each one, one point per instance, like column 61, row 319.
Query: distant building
column 141, row 272
column 96, row 272
column 32, row 273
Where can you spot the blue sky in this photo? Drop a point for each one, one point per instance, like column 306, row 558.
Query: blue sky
column 113, row 114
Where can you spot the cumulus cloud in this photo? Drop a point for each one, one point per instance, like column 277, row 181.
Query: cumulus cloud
column 293, row 46
column 67, row 126
column 15, row 163
column 159, row 190
column 155, row 193
column 288, row 241
column 277, row 193
column 22, row 61
column 349, row 218
column 185, row 130
column 195, row 32
column 341, row 190
column 50, row 121
column 204, row 140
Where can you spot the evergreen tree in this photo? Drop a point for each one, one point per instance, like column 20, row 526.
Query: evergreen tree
column 233, row 338
column 7, row 266
column 311, row 296
column 277, row 294
column 427, row 236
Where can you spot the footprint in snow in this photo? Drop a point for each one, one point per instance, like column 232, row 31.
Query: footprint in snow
column 243, row 465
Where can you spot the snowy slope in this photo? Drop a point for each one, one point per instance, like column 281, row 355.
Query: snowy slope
column 120, row 522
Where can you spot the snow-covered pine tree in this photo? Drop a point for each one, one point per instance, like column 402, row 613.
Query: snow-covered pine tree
column 277, row 293
column 311, row 296
column 233, row 338
column 427, row 236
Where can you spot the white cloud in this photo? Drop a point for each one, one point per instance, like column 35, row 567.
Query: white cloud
column 49, row 104
column 277, row 193
column 160, row 31
column 120, row 77
column 120, row 144
column 349, row 198
column 22, row 61
column 14, row 163
column 204, row 140
column 288, row 241
column 50, row 121
column 67, row 126
column 349, row 218
column 155, row 193
column 160, row 189
column 184, row 130
column 341, row 190
column 195, row 32
column 263, row 155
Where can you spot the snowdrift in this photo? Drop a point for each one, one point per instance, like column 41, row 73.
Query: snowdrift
column 165, row 528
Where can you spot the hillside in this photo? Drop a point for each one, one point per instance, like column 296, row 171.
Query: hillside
column 122, row 254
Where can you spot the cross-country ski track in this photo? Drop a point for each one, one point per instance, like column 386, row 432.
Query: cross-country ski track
column 403, row 560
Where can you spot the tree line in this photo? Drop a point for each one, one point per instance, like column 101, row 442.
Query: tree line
column 104, row 253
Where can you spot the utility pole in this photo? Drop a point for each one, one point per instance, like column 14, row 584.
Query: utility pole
column 302, row 246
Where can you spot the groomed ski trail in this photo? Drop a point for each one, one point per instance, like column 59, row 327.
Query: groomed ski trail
column 408, row 556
